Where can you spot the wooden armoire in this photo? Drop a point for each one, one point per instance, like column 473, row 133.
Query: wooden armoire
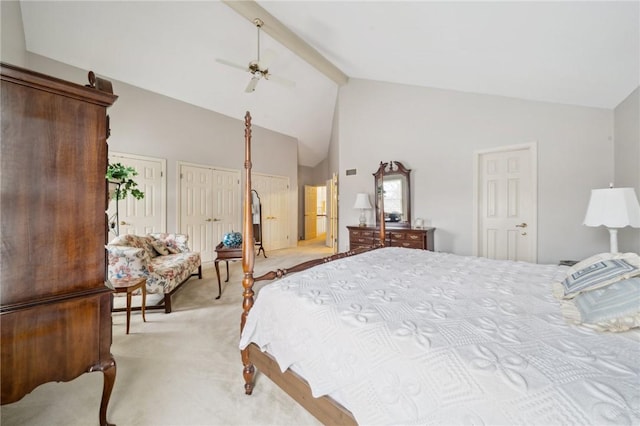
column 55, row 309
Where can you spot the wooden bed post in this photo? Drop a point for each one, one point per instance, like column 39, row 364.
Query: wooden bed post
column 380, row 195
column 248, row 254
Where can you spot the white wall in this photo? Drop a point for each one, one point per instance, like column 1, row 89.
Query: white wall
column 146, row 123
column 627, row 159
column 12, row 47
column 435, row 133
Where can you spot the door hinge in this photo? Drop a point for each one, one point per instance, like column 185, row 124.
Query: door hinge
column 161, row 174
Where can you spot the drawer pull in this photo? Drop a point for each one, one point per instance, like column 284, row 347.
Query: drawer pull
column 414, row 237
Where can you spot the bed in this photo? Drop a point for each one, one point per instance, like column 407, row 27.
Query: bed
column 402, row 336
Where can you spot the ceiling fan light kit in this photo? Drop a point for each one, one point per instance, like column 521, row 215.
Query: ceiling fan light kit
column 259, row 68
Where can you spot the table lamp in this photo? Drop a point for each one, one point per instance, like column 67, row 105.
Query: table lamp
column 614, row 208
column 362, row 203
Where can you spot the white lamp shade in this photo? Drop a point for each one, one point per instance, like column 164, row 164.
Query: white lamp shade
column 613, row 208
column 362, row 201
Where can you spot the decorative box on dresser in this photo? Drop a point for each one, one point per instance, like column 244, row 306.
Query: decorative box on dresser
column 55, row 309
column 364, row 236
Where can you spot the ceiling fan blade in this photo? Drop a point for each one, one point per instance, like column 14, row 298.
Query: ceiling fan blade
column 267, row 59
column 232, row 64
column 252, row 85
column 280, row 80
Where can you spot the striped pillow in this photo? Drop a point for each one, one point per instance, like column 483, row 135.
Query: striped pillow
column 597, row 275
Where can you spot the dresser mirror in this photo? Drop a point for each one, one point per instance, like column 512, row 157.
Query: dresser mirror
column 393, row 180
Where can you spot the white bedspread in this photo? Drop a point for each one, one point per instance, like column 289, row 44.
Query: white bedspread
column 404, row 336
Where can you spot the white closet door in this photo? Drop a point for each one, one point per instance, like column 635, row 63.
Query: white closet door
column 274, row 194
column 226, row 203
column 141, row 217
column 209, row 206
column 195, row 209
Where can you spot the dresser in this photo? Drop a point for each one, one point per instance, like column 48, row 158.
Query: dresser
column 394, row 237
column 55, row 309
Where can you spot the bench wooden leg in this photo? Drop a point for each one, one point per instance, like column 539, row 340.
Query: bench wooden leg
column 167, row 303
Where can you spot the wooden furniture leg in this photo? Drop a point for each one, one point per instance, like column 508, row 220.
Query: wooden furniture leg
column 218, row 275
column 129, row 285
column 109, row 373
column 128, row 309
column 144, row 300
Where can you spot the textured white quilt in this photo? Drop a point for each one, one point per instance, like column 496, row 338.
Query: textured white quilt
column 402, row 336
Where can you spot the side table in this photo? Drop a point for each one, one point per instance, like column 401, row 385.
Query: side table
column 129, row 285
column 226, row 254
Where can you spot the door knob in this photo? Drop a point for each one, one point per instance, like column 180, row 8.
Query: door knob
column 217, row 220
column 208, row 220
column 522, row 225
column 124, row 223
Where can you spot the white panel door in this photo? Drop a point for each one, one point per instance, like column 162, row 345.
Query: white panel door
column 209, row 206
column 196, row 188
column 226, row 203
column 507, row 199
column 141, row 217
column 274, row 195
column 310, row 212
column 279, row 216
column 332, row 213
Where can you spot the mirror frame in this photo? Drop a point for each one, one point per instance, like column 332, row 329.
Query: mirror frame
column 389, row 169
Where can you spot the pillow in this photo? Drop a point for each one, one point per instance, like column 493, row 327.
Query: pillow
column 172, row 248
column 160, row 247
column 137, row 241
column 596, row 272
column 612, row 308
column 176, row 243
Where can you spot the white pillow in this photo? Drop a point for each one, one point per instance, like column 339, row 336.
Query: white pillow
column 596, row 272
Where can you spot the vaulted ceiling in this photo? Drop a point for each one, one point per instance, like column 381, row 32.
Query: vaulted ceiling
column 579, row 53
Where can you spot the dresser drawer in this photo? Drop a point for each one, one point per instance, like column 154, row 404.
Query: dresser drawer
column 361, row 241
column 360, row 237
column 357, row 233
column 408, row 244
column 407, row 238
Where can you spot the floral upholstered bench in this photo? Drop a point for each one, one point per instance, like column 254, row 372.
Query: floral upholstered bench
column 163, row 259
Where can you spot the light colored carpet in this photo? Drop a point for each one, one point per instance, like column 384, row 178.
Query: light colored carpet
column 181, row 368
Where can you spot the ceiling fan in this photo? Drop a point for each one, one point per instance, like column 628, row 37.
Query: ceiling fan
column 259, row 68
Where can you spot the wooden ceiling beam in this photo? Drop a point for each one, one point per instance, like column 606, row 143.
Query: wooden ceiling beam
column 282, row 34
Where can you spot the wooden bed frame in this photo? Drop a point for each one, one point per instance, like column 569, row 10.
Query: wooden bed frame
column 325, row 409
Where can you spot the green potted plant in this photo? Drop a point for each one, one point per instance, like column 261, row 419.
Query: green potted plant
column 122, row 176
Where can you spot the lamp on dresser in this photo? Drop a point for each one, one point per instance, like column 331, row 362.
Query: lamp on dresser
column 362, row 203
column 614, row 208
